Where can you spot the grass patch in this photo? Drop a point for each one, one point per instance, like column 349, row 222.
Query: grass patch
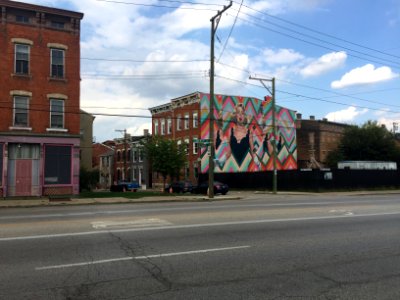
column 129, row 195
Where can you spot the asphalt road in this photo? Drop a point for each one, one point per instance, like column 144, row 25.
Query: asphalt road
column 263, row 247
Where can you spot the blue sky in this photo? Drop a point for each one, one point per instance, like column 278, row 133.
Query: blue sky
column 335, row 59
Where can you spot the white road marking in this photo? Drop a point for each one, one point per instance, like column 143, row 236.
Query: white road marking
column 187, row 226
column 131, row 224
column 103, row 261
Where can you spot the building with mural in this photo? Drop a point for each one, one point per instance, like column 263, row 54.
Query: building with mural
column 243, row 133
column 40, row 94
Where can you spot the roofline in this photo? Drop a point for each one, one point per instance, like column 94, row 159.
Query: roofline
column 40, row 8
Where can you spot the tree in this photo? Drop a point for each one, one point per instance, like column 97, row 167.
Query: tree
column 368, row 142
column 165, row 156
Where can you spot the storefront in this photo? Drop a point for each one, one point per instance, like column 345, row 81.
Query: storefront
column 39, row 167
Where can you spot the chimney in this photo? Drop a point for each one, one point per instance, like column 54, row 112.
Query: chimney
column 298, row 116
column 325, row 119
column 145, row 132
column 312, row 117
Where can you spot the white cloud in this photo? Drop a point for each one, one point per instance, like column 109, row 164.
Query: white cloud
column 367, row 74
column 389, row 123
column 345, row 115
column 324, row 64
column 281, row 56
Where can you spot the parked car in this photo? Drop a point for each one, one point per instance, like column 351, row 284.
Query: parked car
column 219, row 188
column 124, row 186
column 179, row 187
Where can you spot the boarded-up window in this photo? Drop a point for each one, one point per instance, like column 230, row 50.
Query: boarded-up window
column 57, row 168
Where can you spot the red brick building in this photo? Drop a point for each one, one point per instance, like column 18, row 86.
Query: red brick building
column 179, row 120
column 39, row 116
column 315, row 140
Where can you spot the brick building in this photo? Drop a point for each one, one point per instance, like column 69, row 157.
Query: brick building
column 130, row 163
column 179, row 120
column 315, row 139
column 243, row 133
column 39, row 116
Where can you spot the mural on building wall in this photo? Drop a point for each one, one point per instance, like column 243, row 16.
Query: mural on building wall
column 243, row 135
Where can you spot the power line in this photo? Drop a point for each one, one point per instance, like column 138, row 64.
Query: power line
column 160, row 6
column 314, row 98
column 397, row 66
column 230, row 32
column 320, row 32
column 319, row 89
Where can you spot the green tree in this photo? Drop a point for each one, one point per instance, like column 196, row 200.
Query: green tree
column 368, row 142
column 165, row 156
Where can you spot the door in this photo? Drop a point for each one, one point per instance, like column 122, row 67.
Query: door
column 23, row 177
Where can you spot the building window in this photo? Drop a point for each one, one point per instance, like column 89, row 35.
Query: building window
column 21, row 19
column 118, row 155
column 178, row 122
column 187, row 171
column 186, row 121
column 21, row 106
column 128, row 158
column 195, row 120
column 196, row 169
column 140, row 154
column 195, row 145
column 57, row 62
column 187, row 145
column 135, row 155
column 156, row 127
column 58, row 25
column 118, row 174
column 56, row 113
column 22, row 59
column 57, row 165
column 162, row 126
column 169, row 126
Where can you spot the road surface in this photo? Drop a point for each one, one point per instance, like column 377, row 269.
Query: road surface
column 262, row 247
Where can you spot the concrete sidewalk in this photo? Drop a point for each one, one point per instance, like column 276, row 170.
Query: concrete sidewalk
column 232, row 195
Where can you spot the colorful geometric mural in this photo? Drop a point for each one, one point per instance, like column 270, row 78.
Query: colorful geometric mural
column 243, row 135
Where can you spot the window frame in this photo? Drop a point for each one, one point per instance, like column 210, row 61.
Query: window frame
column 58, row 166
column 26, row 111
column 52, row 75
column 16, row 60
column 162, row 126
column 54, row 114
column 178, row 122
column 186, row 121
column 195, row 117
column 169, row 126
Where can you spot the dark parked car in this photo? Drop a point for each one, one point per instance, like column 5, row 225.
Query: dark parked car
column 124, row 186
column 179, row 187
column 219, row 188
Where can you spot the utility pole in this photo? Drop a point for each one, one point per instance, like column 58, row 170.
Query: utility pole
column 272, row 92
column 214, row 25
column 124, row 173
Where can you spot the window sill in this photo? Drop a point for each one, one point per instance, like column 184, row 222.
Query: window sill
column 56, row 130
column 20, row 75
column 20, row 128
column 57, row 79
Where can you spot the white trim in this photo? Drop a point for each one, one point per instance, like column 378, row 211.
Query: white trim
column 56, row 129
column 57, row 96
column 22, row 41
column 20, row 128
column 20, row 93
column 57, row 46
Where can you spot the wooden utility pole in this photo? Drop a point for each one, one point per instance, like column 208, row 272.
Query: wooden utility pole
column 214, row 25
